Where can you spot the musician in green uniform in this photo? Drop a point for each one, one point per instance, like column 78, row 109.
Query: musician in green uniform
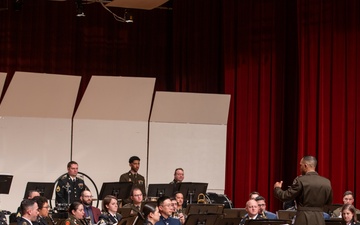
column 133, row 175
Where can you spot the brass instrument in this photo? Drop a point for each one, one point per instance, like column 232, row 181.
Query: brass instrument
column 202, row 199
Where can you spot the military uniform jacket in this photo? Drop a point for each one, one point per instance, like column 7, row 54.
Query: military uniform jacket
column 311, row 193
column 107, row 218
column 137, row 180
column 2, row 219
column 71, row 220
column 337, row 212
column 22, row 221
column 75, row 187
column 40, row 221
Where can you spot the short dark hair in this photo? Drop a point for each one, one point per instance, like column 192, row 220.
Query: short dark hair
column 133, row 158
column 253, row 193
column 29, row 193
column 311, row 160
column 134, row 189
column 161, row 200
column 40, row 200
column 71, row 163
column 259, row 198
column 178, row 169
column 348, row 193
column 25, row 205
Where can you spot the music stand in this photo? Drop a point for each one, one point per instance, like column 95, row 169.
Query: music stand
column 121, row 190
column 125, row 212
column 191, row 190
column 127, row 221
column 228, row 221
column 201, row 219
column 267, row 222
column 216, row 209
column 159, row 190
column 45, row 189
column 335, row 221
column 5, row 183
column 329, row 209
column 234, row 212
column 286, row 214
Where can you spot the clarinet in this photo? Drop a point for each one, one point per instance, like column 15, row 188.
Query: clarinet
column 52, row 220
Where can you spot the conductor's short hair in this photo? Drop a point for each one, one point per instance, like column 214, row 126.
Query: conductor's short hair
column 133, row 158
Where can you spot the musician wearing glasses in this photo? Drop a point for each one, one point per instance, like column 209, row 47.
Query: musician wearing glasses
column 136, row 197
column 262, row 208
column 91, row 213
column 166, row 210
column 43, row 210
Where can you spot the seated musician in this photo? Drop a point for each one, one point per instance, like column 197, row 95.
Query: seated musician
column 151, row 214
column 136, row 197
column 252, row 209
column 176, row 214
column 348, row 198
column 43, row 210
column 76, row 214
column 29, row 212
column 262, row 208
column 109, row 213
column 166, row 210
column 349, row 214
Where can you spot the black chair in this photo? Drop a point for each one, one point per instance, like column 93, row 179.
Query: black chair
column 235, row 213
column 335, row 221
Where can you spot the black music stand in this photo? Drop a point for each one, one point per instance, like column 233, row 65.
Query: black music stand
column 329, row 209
column 121, row 190
column 286, row 214
column 201, row 219
column 191, row 190
column 45, row 189
column 267, row 222
column 215, row 209
column 5, row 183
column 335, row 221
column 235, row 212
column 159, row 190
column 228, row 221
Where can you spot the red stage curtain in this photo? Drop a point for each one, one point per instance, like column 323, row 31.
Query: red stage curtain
column 292, row 69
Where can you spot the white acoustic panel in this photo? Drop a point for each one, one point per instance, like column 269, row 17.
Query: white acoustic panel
column 117, row 98
column 32, row 149
column 200, row 149
column 190, row 108
column 2, row 81
column 40, row 95
column 103, row 147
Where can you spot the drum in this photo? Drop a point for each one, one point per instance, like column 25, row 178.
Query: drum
column 214, row 198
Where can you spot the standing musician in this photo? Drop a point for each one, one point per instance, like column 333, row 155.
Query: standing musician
column 76, row 214
column 70, row 184
column 133, row 175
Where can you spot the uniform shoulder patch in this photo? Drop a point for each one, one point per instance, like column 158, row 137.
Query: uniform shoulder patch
column 58, row 188
column 67, row 222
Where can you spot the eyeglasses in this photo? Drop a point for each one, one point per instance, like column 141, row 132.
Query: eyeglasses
column 167, row 205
